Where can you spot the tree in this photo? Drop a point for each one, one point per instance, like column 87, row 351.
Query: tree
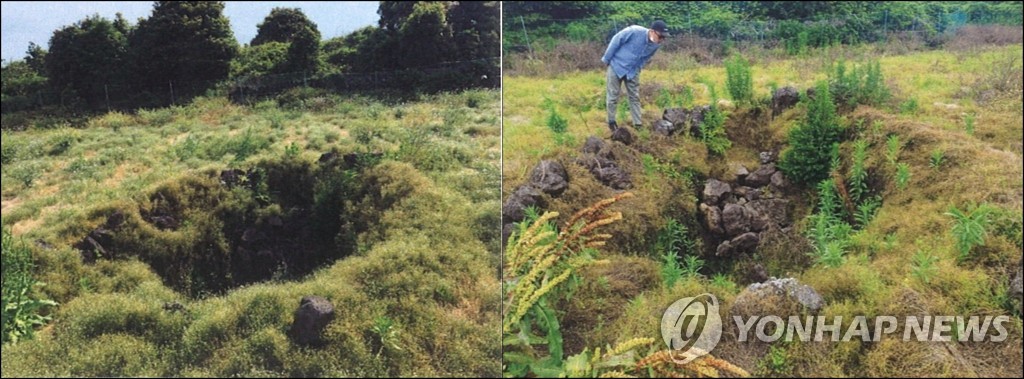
column 475, row 27
column 424, row 37
column 809, row 157
column 283, row 25
column 186, row 42
column 35, row 57
column 20, row 87
column 85, row 57
column 350, row 52
column 264, row 59
column 393, row 14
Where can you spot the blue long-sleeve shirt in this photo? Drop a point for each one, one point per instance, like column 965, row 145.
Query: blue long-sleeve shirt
column 629, row 51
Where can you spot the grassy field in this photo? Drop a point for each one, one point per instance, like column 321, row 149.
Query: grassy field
column 957, row 115
column 405, row 237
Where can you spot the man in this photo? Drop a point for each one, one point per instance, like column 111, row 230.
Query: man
column 628, row 52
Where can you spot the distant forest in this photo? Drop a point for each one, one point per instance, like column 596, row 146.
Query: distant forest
column 169, row 57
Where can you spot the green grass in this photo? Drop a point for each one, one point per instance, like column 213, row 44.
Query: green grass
column 425, row 257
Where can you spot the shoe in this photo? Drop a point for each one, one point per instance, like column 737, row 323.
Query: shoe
column 612, row 125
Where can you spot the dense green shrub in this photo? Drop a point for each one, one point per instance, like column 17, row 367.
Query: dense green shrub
column 808, row 158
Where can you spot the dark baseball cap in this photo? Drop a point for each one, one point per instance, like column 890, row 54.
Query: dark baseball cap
column 660, row 27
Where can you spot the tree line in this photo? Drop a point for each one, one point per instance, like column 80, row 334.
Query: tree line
column 817, row 23
column 191, row 43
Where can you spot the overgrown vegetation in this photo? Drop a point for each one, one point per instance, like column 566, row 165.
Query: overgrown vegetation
column 216, row 219
column 539, row 262
column 22, row 311
column 871, row 249
column 863, row 84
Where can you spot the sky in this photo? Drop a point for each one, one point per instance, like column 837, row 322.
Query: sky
column 24, row 22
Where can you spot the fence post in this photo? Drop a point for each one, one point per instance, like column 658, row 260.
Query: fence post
column 106, row 95
column 528, row 45
column 171, row 85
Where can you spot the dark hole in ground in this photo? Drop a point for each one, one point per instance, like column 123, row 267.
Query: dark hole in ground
column 207, row 233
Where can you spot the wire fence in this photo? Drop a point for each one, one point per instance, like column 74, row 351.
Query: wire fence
column 445, row 76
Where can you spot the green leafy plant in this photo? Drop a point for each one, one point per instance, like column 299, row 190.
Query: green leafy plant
column 692, row 266
column 558, row 125
column 923, row 266
column 292, row 150
column 858, row 172
column 862, row 84
column 866, row 211
column 673, row 242
column 890, row 242
column 970, row 227
column 712, row 130
column 902, row 175
column 969, row 123
column 664, row 99
column 777, row 362
column 387, row 334
column 909, row 106
column 830, row 235
column 20, row 312
column 538, row 260
column 738, row 79
column 808, row 159
column 937, row 158
column 722, row 281
column 892, row 149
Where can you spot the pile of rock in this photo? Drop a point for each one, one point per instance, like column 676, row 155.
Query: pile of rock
column 548, row 177
column 740, row 212
column 784, row 98
column 600, row 161
column 681, row 120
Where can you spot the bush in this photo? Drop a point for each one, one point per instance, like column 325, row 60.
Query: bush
column 863, row 84
column 808, row 159
column 739, row 80
column 308, row 99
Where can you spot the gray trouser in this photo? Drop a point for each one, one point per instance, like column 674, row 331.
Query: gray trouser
column 615, row 89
